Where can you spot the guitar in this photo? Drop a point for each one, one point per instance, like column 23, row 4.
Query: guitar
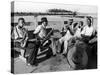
column 47, row 37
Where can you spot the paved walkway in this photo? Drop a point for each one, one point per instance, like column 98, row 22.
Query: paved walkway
column 57, row 63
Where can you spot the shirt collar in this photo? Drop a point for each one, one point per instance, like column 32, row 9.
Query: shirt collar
column 43, row 26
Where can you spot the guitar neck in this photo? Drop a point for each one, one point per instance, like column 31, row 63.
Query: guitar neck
column 47, row 37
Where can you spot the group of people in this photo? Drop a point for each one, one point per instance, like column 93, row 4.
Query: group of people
column 77, row 31
column 19, row 36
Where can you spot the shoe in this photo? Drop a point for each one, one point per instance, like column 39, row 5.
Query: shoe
column 35, row 64
column 22, row 58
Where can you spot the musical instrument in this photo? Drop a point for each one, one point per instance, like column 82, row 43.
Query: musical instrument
column 39, row 51
column 47, row 37
column 23, row 42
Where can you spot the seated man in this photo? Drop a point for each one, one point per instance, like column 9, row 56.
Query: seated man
column 41, row 42
column 87, row 30
column 20, row 36
column 41, row 32
column 69, row 34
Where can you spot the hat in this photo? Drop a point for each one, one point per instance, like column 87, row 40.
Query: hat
column 21, row 19
column 44, row 19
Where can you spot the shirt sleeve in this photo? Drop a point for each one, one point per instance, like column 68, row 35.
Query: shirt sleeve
column 37, row 30
column 25, row 32
column 14, row 34
column 61, row 40
column 91, row 31
column 83, row 31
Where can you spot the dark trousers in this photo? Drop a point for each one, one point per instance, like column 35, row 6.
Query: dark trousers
column 31, row 52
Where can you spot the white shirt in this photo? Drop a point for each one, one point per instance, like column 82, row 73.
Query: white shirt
column 78, row 33
column 87, row 30
column 18, row 33
column 41, row 30
column 66, row 37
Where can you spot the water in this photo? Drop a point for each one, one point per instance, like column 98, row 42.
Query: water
column 56, row 22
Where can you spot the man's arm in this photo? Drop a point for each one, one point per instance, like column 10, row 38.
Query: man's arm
column 14, row 34
column 37, row 30
column 71, row 30
column 25, row 36
column 90, row 32
column 85, row 36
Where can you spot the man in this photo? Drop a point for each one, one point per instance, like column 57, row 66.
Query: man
column 69, row 34
column 87, row 34
column 40, row 33
column 41, row 29
column 20, row 36
column 87, row 30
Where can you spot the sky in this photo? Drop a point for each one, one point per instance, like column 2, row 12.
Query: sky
column 43, row 7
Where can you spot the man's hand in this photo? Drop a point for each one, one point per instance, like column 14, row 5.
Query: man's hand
column 84, row 36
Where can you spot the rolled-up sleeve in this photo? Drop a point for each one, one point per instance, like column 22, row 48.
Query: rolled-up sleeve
column 61, row 40
column 37, row 30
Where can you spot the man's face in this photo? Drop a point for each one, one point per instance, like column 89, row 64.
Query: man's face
column 88, row 22
column 70, row 22
column 45, row 23
column 80, row 25
column 21, row 23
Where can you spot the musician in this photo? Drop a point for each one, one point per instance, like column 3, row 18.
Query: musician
column 69, row 34
column 19, row 35
column 87, row 30
column 40, row 31
column 41, row 34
